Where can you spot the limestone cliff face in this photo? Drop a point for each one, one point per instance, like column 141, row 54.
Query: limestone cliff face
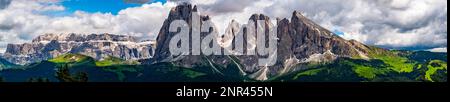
column 303, row 41
column 97, row 46
column 183, row 12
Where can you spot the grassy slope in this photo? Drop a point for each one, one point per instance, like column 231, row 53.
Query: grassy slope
column 69, row 58
column 384, row 65
column 5, row 64
column 393, row 60
column 111, row 70
column 433, row 66
column 110, row 61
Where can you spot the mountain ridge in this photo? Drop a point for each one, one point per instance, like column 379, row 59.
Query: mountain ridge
column 300, row 41
column 306, row 51
column 97, row 46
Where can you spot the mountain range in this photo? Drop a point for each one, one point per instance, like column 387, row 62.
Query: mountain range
column 97, row 46
column 305, row 52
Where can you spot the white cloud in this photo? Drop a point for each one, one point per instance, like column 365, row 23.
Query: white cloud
column 389, row 23
column 400, row 24
column 23, row 20
column 224, row 17
column 143, row 21
column 444, row 49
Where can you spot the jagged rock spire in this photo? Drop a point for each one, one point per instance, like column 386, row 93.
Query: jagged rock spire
column 300, row 40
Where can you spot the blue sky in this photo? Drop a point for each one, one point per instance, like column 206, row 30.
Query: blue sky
column 338, row 32
column 103, row 6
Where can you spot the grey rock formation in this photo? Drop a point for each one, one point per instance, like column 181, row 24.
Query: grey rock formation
column 181, row 12
column 300, row 40
column 97, row 46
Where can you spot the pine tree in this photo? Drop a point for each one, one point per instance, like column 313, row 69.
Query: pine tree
column 64, row 75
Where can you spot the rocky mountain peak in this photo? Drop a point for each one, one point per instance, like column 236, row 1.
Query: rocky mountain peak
column 297, row 14
column 71, row 37
column 96, row 46
column 300, row 40
column 256, row 17
column 183, row 11
column 232, row 30
column 194, row 9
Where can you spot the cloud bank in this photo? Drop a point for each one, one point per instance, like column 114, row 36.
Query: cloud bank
column 396, row 24
column 22, row 20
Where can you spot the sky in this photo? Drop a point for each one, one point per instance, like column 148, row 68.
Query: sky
column 102, row 6
column 393, row 24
